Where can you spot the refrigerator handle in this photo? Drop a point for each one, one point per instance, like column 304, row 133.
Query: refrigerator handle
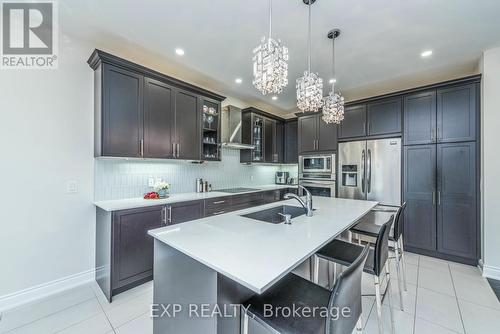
column 363, row 162
column 369, row 177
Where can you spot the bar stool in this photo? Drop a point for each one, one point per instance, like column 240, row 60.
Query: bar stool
column 370, row 228
column 345, row 253
column 293, row 290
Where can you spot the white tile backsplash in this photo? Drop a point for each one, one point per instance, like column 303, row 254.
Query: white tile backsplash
column 118, row 179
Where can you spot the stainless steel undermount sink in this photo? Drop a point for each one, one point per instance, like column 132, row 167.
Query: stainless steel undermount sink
column 273, row 215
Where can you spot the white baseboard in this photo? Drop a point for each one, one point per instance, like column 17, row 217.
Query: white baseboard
column 491, row 272
column 46, row 289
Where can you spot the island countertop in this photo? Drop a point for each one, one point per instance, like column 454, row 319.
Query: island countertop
column 257, row 254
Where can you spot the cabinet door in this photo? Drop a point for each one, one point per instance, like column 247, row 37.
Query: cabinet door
column 354, row 123
column 291, row 142
column 307, row 133
column 327, row 136
column 187, row 125
column 456, row 210
column 158, row 119
column 184, row 212
column 132, row 246
column 456, row 114
column 122, row 114
column 420, row 118
column 269, row 140
column 384, row 117
column 279, row 142
column 419, row 194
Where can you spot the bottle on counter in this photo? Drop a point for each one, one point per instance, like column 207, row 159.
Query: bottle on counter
column 199, row 185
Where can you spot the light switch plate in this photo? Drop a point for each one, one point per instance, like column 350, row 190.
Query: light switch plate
column 72, row 187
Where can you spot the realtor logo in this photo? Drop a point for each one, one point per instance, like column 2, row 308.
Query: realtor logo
column 29, row 38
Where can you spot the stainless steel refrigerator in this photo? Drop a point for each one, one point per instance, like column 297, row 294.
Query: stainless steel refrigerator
column 371, row 170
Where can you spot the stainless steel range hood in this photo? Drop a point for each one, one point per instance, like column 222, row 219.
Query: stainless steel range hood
column 231, row 129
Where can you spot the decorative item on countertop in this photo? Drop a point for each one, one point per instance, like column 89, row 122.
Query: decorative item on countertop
column 152, row 195
column 270, row 67
column 333, row 110
column 310, row 86
column 162, row 189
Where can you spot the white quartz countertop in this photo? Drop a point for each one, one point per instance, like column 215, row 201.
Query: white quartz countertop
column 257, row 254
column 131, row 203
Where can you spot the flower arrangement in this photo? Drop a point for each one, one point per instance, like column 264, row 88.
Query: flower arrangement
column 162, row 188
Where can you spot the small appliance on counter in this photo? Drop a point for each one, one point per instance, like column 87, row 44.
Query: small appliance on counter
column 203, row 186
column 281, row 177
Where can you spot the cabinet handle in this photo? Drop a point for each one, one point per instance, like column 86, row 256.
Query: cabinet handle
column 437, row 134
column 141, row 147
column 173, row 150
column 368, row 128
column 164, row 215
column 219, row 202
column 364, row 126
column 178, row 149
column 439, row 197
column 218, row 213
column 433, row 198
column 432, row 135
column 170, row 214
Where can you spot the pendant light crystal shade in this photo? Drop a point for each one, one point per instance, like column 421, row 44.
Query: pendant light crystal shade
column 270, row 63
column 270, row 67
column 333, row 110
column 310, row 86
column 309, row 92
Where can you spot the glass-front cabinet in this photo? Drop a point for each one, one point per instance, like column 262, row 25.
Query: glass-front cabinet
column 210, row 130
column 257, row 138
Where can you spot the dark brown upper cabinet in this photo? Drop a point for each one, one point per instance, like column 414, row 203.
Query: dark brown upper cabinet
column 420, row 118
column 314, row 135
column 384, row 117
column 187, row 126
column 443, row 116
column 456, row 114
column 354, row 123
column 266, row 133
column 159, row 120
column 141, row 113
column 121, row 124
column 291, row 155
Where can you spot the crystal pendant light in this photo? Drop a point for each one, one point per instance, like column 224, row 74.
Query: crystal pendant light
column 270, row 67
column 333, row 110
column 310, row 86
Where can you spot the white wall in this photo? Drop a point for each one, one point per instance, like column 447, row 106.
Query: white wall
column 46, row 124
column 491, row 162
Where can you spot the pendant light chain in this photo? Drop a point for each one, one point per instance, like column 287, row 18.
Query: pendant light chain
column 309, row 40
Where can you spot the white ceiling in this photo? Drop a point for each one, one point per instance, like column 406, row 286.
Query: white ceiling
column 380, row 44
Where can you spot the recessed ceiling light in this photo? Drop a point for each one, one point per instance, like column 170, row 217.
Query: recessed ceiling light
column 179, row 52
column 333, row 80
column 426, row 53
column 274, row 97
column 238, row 80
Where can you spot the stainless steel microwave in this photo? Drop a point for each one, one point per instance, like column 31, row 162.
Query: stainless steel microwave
column 324, row 164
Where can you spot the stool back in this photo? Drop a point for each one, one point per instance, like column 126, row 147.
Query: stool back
column 347, row 293
column 398, row 222
column 381, row 251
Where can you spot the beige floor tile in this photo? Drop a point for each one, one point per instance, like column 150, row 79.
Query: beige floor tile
column 403, row 322
column 433, row 263
column 436, row 280
column 95, row 325
column 475, row 289
column 424, row 327
column 439, row 308
column 478, row 319
column 142, row 324
column 129, row 310
column 409, row 297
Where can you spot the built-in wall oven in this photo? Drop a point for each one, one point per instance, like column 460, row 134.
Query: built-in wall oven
column 317, row 174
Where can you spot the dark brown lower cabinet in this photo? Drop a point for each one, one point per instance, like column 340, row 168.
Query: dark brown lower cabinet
column 419, row 193
column 456, row 209
column 124, row 250
column 440, row 191
column 184, row 211
column 132, row 255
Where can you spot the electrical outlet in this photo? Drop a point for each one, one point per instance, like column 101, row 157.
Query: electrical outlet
column 151, row 182
column 72, row 187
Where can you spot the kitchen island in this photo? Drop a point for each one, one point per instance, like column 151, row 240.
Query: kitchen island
column 216, row 262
